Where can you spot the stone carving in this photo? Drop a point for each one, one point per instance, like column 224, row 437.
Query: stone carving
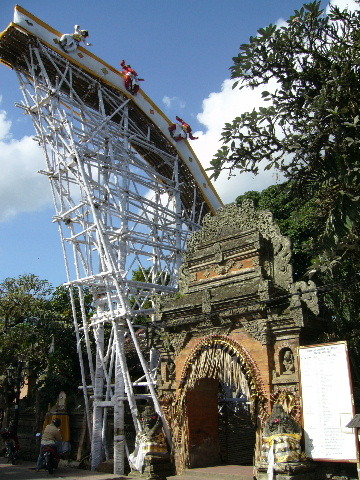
column 289, row 399
column 179, row 340
column 259, row 329
column 281, row 439
column 306, row 293
column 170, row 370
column 232, row 219
column 185, row 278
column 288, row 362
column 150, row 421
column 206, row 301
column 292, row 387
column 219, row 256
column 150, row 442
column 162, row 339
column 280, row 422
column 224, row 268
column 157, row 306
column 281, row 454
column 263, row 290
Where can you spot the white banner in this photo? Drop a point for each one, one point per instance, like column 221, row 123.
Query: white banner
column 327, row 402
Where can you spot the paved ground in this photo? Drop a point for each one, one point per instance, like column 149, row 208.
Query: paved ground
column 221, row 472
column 26, row 471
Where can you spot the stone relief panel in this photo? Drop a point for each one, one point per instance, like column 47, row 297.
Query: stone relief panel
column 286, row 361
column 285, row 372
column 219, row 269
column 259, row 329
column 307, row 293
column 231, row 219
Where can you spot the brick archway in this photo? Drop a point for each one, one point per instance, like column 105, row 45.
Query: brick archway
column 239, row 358
column 215, row 359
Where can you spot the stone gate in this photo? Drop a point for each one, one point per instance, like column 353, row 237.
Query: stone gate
column 229, row 338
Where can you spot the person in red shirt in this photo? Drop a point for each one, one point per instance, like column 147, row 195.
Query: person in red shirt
column 131, row 78
column 181, row 130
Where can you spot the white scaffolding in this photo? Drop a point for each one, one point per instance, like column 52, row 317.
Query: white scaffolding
column 124, row 202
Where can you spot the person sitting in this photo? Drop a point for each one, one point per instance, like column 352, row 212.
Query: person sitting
column 81, row 35
column 69, row 42
column 181, row 130
column 51, row 437
column 131, row 78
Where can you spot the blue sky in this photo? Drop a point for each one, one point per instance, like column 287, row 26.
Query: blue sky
column 183, row 50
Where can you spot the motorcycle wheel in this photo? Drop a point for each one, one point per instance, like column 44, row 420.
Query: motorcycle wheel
column 10, row 454
column 49, row 465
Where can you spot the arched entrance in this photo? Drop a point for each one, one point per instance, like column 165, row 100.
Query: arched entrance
column 220, row 397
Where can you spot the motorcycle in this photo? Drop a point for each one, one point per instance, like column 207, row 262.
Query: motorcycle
column 12, row 447
column 49, row 458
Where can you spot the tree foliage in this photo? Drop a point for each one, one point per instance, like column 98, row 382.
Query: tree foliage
column 310, row 131
column 36, row 329
column 22, row 298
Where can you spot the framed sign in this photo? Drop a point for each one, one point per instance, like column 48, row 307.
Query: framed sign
column 327, row 402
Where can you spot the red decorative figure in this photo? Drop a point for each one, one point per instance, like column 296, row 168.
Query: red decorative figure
column 181, row 130
column 131, row 78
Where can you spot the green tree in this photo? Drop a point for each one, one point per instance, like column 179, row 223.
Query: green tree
column 310, row 131
column 36, row 329
column 22, row 298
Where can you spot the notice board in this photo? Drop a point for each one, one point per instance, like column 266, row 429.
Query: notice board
column 327, row 402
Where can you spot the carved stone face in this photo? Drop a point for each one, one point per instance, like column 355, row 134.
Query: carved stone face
column 148, row 417
column 288, row 362
column 280, row 422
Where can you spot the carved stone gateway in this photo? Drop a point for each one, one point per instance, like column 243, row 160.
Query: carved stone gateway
column 228, row 339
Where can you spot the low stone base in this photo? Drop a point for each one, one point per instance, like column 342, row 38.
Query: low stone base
column 106, row 467
column 156, row 467
column 288, row 471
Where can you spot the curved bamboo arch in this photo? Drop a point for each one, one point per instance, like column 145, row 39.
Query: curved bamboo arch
column 225, row 370
column 218, row 357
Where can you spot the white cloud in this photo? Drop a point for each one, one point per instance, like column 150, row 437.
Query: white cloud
column 219, row 108
column 342, row 4
column 173, row 102
column 5, row 125
column 22, row 189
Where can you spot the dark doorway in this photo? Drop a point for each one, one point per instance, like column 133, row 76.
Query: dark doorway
column 220, row 428
column 203, row 424
column 237, row 432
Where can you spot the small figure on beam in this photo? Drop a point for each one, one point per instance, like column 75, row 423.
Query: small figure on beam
column 131, row 78
column 81, row 35
column 69, row 42
column 181, row 130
